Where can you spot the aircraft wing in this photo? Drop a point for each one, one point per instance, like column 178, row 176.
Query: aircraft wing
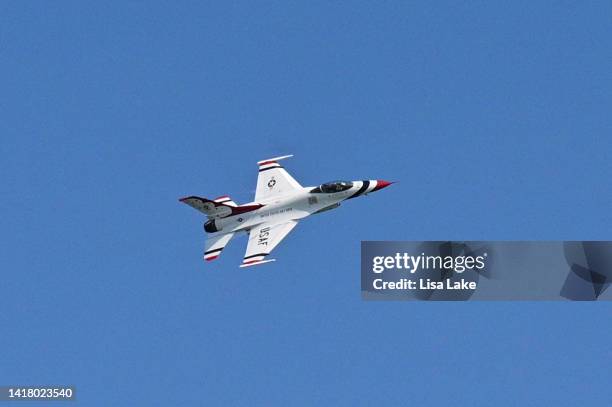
column 273, row 180
column 263, row 239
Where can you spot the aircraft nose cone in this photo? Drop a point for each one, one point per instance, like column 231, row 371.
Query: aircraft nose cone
column 381, row 183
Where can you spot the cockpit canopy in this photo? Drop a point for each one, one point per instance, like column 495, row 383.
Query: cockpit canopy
column 331, row 187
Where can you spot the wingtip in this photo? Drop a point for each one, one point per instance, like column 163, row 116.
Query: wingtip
column 269, row 160
column 255, row 263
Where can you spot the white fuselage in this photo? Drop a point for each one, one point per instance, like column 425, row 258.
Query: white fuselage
column 292, row 206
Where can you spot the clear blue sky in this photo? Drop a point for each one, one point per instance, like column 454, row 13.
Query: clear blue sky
column 495, row 118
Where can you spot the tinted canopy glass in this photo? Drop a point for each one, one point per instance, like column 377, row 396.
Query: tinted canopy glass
column 331, row 187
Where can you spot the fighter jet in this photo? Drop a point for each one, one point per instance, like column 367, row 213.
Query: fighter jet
column 280, row 202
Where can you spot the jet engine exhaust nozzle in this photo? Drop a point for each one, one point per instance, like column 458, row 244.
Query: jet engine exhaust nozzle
column 211, row 226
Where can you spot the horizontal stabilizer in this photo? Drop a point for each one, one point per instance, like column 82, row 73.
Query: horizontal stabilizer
column 215, row 245
column 214, row 209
